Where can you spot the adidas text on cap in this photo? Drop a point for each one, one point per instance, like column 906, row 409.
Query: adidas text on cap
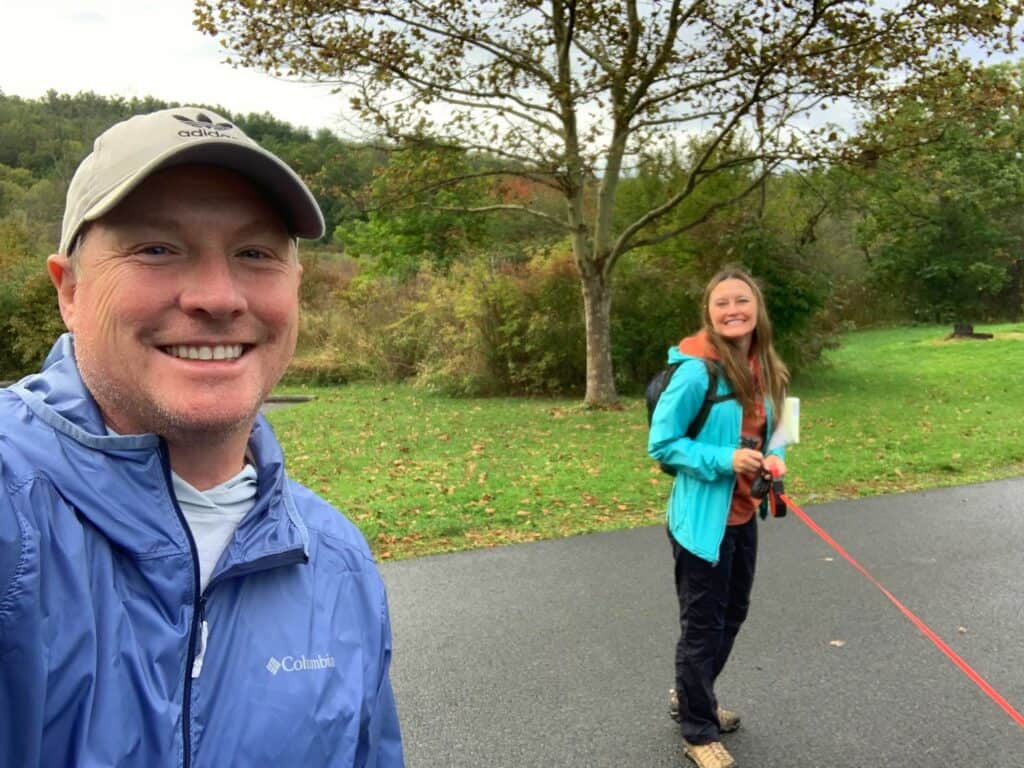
column 127, row 153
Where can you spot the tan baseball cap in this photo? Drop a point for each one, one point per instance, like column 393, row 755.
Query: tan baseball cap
column 128, row 152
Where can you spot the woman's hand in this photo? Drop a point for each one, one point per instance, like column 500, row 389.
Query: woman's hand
column 775, row 465
column 746, row 461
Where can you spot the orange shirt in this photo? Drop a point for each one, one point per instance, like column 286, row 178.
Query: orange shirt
column 743, row 505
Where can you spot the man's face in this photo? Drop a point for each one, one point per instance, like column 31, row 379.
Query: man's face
column 183, row 303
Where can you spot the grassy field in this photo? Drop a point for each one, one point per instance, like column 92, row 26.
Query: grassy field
column 891, row 410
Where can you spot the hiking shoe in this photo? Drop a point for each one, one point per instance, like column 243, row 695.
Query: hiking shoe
column 710, row 755
column 728, row 720
column 673, row 704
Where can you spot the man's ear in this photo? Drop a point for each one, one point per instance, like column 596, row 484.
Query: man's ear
column 62, row 275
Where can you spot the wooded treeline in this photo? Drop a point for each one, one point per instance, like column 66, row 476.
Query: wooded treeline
column 921, row 223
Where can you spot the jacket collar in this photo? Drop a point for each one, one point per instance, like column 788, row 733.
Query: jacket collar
column 120, row 482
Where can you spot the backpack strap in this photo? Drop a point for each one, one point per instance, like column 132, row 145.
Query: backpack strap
column 711, row 397
column 656, row 387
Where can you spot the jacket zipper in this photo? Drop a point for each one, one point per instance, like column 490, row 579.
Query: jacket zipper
column 288, row 557
column 197, row 613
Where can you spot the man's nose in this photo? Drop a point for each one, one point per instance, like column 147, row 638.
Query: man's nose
column 213, row 287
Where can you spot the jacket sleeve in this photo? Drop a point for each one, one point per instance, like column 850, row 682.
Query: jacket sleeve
column 11, row 554
column 385, row 749
column 676, row 409
column 21, row 692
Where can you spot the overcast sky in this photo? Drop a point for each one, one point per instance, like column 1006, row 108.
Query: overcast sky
column 141, row 48
column 146, row 48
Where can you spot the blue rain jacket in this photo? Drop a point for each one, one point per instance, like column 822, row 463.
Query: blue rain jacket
column 698, row 507
column 100, row 617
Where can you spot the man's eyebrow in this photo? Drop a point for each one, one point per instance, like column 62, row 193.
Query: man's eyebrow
column 149, row 221
column 263, row 225
column 259, row 225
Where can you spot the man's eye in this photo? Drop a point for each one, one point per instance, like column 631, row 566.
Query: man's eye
column 254, row 254
column 153, row 250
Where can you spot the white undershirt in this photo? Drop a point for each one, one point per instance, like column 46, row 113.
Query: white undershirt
column 214, row 514
column 212, row 517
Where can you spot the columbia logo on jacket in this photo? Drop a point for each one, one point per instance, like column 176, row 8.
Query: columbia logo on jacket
column 300, row 664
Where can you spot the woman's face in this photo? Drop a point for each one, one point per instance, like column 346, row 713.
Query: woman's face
column 732, row 308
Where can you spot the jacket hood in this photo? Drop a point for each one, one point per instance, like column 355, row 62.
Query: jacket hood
column 59, row 397
column 695, row 346
column 95, row 469
column 698, row 345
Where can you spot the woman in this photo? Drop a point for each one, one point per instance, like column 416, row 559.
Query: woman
column 711, row 514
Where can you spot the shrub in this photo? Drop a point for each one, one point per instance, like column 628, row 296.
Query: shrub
column 355, row 326
column 29, row 318
column 507, row 329
column 32, row 326
column 654, row 304
column 492, row 328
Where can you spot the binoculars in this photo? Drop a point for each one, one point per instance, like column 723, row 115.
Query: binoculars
column 766, row 484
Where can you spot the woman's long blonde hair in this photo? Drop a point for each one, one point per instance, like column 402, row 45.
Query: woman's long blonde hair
column 774, row 373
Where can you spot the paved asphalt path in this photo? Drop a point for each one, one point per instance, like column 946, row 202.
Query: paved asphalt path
column 560, row 653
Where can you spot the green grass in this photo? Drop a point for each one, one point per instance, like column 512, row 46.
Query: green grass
column 905, row 409
column 890, row 411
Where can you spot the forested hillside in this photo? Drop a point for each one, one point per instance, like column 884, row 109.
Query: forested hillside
column 414, row 282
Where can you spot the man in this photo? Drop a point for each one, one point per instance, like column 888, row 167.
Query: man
column 168, row 597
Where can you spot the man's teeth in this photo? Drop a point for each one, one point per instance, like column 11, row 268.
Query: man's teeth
column 219, row 352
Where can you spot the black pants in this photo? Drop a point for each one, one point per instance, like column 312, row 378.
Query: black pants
column 713, row 603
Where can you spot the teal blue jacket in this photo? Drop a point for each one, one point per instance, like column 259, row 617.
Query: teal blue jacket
column 698, row 507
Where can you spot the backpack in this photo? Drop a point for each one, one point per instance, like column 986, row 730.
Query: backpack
column 659, row 383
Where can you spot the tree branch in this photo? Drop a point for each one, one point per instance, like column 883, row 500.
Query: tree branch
column 507, row 207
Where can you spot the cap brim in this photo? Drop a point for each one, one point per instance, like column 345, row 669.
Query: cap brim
column 298, row 207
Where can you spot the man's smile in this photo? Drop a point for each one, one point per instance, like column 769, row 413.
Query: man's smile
column 205, row 352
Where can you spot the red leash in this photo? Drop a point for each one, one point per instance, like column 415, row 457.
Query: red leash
column 963, row 665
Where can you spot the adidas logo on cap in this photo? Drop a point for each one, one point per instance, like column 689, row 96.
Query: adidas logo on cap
column 203, row 126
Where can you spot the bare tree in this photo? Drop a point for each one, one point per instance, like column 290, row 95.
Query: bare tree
column 570, row 94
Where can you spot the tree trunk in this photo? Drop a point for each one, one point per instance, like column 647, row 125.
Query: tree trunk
column 1017, row 278
column 597, row 301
